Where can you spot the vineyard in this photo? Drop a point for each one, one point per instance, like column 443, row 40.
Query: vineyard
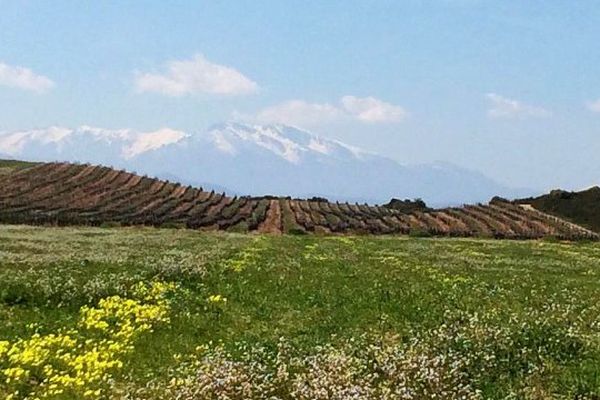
column 73, row 194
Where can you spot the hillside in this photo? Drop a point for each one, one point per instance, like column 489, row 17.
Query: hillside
column 8, row 166
column 72, row 194
column 582, row 207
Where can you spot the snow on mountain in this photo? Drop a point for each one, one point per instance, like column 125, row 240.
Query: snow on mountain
column 256, row 159
column 290, row 143
column 85, row 144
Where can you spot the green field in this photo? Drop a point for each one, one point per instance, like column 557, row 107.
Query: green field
column 294, row 317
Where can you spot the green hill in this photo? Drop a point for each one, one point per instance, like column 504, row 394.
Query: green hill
column 582, row 208
column 7, row 166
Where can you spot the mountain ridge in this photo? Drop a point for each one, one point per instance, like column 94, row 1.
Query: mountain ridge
column 256, row 160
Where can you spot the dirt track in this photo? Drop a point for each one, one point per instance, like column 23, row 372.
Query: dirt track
column 272, row 224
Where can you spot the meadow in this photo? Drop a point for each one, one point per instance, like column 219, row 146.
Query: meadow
column 146, row 313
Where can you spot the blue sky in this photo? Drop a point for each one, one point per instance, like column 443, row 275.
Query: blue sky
column 508, row 88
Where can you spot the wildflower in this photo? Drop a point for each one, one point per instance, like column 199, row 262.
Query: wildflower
column 79, row 362
column 216, row 299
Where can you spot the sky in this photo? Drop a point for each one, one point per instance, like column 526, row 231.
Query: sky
column 507, row 88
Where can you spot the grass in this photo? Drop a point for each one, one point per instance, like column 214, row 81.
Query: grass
column 16, row 164
column 456, row 318
column 7, row 166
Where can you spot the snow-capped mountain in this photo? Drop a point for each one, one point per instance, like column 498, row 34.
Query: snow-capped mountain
column 85, row 144
column 253, row 159
column 292, row 144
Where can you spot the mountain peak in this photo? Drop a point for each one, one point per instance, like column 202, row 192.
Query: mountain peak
column 288, row 142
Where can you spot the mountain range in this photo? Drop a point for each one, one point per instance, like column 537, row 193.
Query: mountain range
column 257, row 160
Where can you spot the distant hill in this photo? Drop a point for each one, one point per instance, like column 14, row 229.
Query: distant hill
column 581, row 207
column 7, row 165
column 75, row 194
column 258, row 159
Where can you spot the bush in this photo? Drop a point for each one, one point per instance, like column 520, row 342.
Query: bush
column 419, row 233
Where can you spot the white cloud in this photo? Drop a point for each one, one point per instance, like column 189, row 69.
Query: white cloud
column 350, row 108
column 370, row 109
column 24, row 78
column 502, row 107
column 299, row 112
column 146, row 141
column 197, row 75
column 594, row 106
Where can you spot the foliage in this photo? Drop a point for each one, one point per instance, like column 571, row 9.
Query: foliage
column 579, row 207
column 79, row 362
column 157, row 313
column 407, row 206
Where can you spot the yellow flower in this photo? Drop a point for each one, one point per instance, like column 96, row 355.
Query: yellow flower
column 4, row 346
column 74, row 363
column 216, row 298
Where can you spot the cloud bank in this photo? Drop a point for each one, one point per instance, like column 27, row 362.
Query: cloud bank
column 24, row 78
column 194, row 76
column 503, row 107
column 368, row 110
